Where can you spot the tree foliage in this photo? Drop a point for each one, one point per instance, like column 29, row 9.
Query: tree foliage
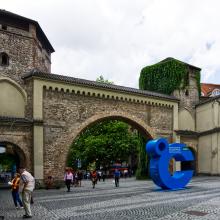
column 105, row 142
column 102, row 80
column 7, row 161
column 142, row 170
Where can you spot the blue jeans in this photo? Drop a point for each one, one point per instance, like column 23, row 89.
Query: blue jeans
column 16, row 198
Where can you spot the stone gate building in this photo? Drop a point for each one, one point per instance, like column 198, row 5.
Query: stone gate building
column 42, row 113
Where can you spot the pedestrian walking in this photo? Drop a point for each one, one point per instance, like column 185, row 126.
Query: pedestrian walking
column 117, row 177
column 80, row 176
column 103, row 176
column 76, row 179
column 27, row 184
column 93, row 178
column 125, row 173
column 15, row 191
column 99, row 175
column 68, row 178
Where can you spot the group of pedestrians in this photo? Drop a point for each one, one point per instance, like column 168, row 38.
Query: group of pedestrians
column 23, row 182
column 74, row 178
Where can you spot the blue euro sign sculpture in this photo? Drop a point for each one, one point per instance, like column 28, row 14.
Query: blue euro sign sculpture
column 161, row 153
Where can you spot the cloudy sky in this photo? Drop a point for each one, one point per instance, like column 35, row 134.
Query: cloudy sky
column 116, row 38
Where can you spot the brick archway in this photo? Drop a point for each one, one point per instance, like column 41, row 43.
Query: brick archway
column 61, row 153
column 19, row 149
column 16, row 152
column 130, row 119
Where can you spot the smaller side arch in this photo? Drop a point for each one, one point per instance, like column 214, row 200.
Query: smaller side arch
column 14, row 149
column 15, row 84
column 13, row 98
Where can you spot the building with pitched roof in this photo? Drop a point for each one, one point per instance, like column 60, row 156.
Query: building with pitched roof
column 210, row 90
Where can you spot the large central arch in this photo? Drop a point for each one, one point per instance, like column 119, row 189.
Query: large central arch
column 130, row 119
column 62, row 152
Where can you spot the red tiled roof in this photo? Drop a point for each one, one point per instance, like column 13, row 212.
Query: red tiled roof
column 207, row 88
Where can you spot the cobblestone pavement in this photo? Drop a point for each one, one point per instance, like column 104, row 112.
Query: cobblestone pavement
column 132, row 200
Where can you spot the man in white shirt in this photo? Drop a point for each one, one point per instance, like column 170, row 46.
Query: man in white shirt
column 27, row 185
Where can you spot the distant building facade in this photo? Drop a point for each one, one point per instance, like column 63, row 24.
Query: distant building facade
column 210, row 90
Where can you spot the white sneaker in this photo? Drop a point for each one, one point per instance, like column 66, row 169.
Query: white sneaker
column 21, row 207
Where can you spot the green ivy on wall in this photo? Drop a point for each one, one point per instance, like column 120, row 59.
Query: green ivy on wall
column 166, row 76
column 197, row 76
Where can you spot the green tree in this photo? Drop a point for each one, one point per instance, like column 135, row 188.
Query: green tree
column 104, row 143
column 102, row 80
column 142, row 171
column 6, row 161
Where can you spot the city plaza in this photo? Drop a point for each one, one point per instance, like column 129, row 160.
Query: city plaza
column 131, row 200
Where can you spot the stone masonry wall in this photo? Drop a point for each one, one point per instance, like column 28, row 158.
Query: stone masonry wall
column 25, row 53
column 62, row 112
column 19, row 50
column 189, row 96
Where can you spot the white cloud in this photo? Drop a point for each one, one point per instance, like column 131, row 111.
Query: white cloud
column 116, row 38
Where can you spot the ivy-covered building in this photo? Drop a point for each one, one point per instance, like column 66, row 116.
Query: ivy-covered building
column 198, row 117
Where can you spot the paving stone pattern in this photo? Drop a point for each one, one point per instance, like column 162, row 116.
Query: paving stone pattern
column 132, row 200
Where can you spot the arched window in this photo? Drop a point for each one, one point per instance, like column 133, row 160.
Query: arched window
column 4, row 59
